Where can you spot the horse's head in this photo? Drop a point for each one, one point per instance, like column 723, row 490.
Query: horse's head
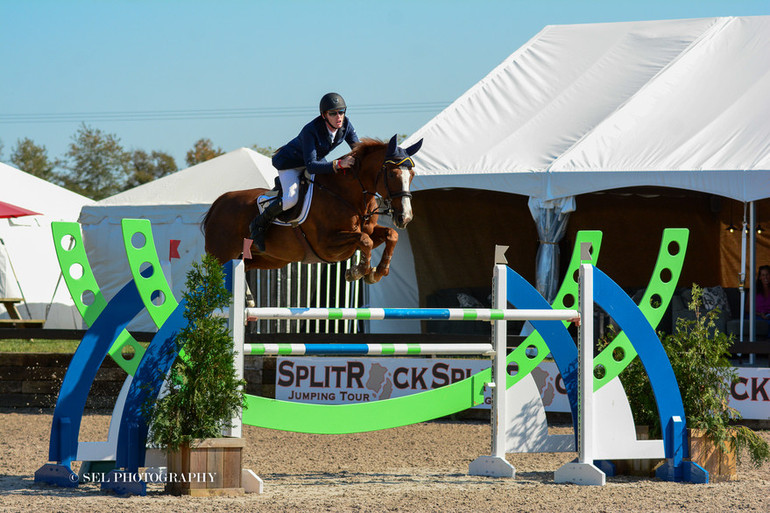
column 397, row 177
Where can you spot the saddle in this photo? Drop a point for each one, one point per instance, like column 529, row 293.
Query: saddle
column 299, row 212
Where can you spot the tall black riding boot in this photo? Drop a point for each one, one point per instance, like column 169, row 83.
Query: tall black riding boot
column 260, row 223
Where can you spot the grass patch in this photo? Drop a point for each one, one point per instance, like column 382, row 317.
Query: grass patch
column 39, row 345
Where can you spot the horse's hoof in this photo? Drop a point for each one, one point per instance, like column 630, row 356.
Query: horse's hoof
column 351, row 275
column 372, row 277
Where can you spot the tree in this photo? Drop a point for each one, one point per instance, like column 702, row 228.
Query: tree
column 264, row 150
column 698, row 353
column 96, row 164
column 146, row 168
column 202, row 150
column 203, row 391
column 33, row 159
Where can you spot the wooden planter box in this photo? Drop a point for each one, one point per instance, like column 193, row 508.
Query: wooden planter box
column 211, row 466
column 639, row 468
column 721, row 465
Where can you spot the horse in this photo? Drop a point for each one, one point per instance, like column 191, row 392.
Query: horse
column 342, row 219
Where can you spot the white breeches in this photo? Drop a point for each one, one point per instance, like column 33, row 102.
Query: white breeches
column 290, row 185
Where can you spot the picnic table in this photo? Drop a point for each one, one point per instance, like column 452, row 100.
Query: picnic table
column 16, row 321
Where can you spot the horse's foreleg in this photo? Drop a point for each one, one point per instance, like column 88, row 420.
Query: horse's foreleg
column 389, row 236
column 363, row 268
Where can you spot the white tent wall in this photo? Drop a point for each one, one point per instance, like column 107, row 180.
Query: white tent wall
column 176, row 205
column 29, row 244
column 399, row 288
column 106, row 253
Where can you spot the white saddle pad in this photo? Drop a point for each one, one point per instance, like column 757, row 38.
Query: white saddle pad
column 303, row 212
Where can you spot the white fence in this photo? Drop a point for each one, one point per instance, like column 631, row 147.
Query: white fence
column 307, row 286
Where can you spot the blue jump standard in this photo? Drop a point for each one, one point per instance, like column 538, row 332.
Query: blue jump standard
column 81, row 372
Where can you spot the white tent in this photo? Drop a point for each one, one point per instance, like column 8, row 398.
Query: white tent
column 28, row 247
column 176, row 205
column 582, row 108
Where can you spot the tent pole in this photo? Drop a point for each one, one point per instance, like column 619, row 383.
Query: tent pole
column 55, row 290
column 58, row 282
column 742, row 273
column 752, row 276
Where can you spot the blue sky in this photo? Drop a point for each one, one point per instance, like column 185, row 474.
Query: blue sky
column 162, row 74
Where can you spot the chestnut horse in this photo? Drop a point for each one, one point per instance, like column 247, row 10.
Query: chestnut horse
column 342, row 218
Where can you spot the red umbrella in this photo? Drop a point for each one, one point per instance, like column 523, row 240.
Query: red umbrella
column 7, row 210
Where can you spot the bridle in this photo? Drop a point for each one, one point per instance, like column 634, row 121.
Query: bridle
column 384, row 205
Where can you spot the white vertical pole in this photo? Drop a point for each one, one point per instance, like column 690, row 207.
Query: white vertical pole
column 584, row 471
column 298, row 292
column 347, row 286
column 585, row 366
column 499, row 371
column 317, row 294
column 308, row 290
column 287, row 302
column 250, row 481
column 356, row 292
column 257, row 292
column 496, row 465
column 237, row 321
column 337, row 285
column 327, row 296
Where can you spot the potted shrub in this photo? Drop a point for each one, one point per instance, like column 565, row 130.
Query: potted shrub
column 698, row 353
column 203, row 394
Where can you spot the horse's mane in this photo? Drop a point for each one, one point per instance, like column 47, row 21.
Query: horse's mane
column 367, row 145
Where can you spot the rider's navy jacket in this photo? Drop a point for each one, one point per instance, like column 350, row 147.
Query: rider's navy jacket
column 312, row 144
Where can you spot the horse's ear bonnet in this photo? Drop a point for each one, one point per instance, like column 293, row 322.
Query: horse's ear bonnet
column 398, row 156
column 414, row 148
column 392, row 146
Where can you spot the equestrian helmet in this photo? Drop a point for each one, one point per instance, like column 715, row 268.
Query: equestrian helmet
column 332, row 101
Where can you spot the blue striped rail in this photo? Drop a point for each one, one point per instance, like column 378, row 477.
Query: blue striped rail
column 446, row 314
column 411, row 349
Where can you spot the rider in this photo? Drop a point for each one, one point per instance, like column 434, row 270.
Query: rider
column 306, row 152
